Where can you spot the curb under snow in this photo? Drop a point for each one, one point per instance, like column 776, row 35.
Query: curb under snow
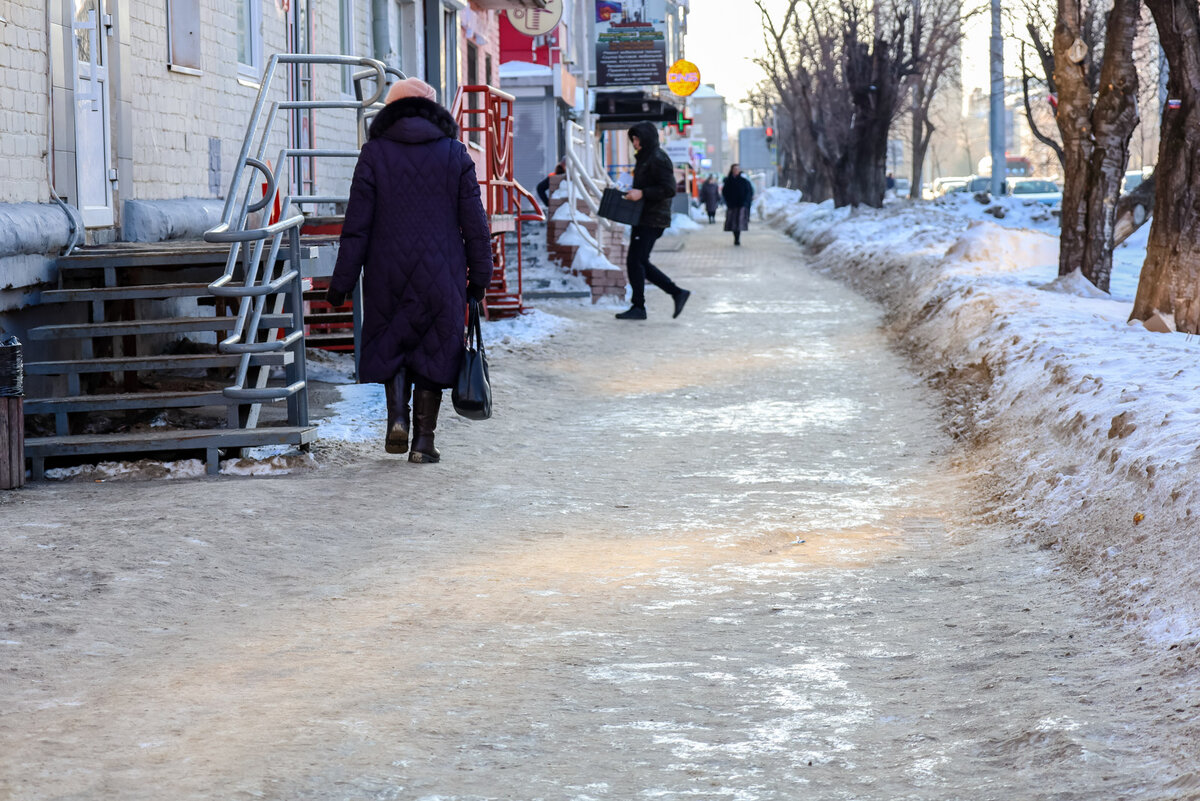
column 1086, row 427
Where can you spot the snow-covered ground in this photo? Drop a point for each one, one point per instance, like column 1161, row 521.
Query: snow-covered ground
column 1081, row 424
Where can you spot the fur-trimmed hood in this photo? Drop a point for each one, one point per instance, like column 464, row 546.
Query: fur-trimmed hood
column 412, row 120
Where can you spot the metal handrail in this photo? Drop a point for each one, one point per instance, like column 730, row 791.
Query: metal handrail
column 260, row 290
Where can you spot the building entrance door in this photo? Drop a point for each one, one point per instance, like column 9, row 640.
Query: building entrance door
column 94, row 173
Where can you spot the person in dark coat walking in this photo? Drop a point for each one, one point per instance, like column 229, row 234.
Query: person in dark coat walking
column 416, row 228
column 653, row 183
column 738, row 193
column 710, row 196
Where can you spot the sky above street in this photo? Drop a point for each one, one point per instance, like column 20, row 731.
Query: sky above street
column 725, row 35
column 722, row 39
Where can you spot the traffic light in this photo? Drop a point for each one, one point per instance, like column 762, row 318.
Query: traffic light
column 770, row 136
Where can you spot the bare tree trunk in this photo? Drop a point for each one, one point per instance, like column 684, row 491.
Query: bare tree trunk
column 1170, row 280
column 1113, row 121
column 1074, row 125
column 1095, row 133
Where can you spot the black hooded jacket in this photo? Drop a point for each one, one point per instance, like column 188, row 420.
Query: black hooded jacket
column 654, row 174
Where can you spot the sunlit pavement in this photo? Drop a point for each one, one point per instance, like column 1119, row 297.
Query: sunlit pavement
column 724, row 556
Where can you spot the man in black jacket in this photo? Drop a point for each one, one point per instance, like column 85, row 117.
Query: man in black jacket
column 654, row 183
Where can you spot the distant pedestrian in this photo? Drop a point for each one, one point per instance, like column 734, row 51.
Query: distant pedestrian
column 738, row 193
column 416, row 228
column 891, row 181
column 710, row 196
column 543, row 187
column 653, row 183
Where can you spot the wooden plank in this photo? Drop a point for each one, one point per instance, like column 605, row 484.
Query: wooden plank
column 141, row 292
column 139, row 363
column 168, row 255
column 12, row 451
column 163, row 326
column 177, row 440
column 126, row 400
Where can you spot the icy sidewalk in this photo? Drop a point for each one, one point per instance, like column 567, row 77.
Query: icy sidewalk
column 1085, row 426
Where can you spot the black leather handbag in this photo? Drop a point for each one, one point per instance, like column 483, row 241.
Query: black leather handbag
column 472, row 392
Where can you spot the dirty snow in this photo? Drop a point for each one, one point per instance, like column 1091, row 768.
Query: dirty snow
column 1084, row 426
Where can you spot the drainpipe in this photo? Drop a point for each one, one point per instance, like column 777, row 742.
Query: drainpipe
column 379, row 31
column 67, row 210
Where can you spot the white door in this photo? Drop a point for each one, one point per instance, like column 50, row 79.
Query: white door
column 94, row 174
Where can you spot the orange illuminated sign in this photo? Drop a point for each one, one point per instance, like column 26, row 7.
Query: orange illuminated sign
column 683, row 78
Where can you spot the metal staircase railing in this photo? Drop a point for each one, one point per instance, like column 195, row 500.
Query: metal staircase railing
column 586, row 180
column 252, row 231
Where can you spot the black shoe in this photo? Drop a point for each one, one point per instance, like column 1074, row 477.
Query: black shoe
column 680, row 300
column 633, row 313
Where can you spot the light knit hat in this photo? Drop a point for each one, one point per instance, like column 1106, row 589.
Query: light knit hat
column 411, row 87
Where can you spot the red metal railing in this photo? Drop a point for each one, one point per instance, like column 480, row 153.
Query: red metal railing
column 485, row 120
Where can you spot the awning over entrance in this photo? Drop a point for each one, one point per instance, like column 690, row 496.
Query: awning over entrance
column 617, row 108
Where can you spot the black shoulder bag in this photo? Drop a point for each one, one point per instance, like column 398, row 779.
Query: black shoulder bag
column 472, row 392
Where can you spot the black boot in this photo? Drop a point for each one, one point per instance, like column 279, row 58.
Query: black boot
column 397, row 391
column 425, row 414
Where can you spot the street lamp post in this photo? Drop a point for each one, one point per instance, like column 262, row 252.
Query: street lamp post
column 996, row 121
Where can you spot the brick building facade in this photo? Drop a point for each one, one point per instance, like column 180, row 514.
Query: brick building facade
column 123, row 119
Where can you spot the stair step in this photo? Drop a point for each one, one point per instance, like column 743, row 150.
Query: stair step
column 161, row 326
column 161, row 255
column 329, row 318
column 330, row 340
column 190, row 361
column 146, row 291
column 123, row 401
column 202, row 439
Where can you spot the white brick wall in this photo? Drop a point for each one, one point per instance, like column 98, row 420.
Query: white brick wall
column 24, row 109
column 175, row 114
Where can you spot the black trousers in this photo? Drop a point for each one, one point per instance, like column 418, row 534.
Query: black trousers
column 641, row 242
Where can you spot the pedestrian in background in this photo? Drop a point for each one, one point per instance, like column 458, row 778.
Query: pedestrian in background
column 738, row 193
column 710, row 196
column 416, row 228
column 543, row 187
column 653, row 183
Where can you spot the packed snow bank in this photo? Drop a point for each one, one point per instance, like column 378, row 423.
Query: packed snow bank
column 1083, row 426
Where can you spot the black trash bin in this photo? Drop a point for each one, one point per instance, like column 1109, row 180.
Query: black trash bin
column 12, row 415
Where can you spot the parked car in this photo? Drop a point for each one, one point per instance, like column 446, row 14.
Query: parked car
column 983, row 183
column 942, row 186
column 1037, row 189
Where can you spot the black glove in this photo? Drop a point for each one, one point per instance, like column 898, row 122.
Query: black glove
column 476, row 291
column 335, row 298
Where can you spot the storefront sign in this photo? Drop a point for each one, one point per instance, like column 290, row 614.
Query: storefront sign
column 683, row 78
column 631, row 42
column 536, row 21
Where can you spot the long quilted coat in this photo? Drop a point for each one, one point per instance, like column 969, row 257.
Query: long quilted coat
column 416, row 228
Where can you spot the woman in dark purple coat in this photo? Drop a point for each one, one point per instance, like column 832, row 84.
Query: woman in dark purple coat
column 416, row 228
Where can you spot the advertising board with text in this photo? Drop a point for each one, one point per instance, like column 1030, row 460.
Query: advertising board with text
column 631, row 42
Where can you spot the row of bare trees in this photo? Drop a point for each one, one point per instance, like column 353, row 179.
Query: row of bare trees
column 841, row 72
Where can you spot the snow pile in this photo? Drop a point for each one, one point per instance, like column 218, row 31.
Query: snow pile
column 589, row 258
column 523, row 330
column 683, row 223
column 1082, row 425
column 329, row 367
